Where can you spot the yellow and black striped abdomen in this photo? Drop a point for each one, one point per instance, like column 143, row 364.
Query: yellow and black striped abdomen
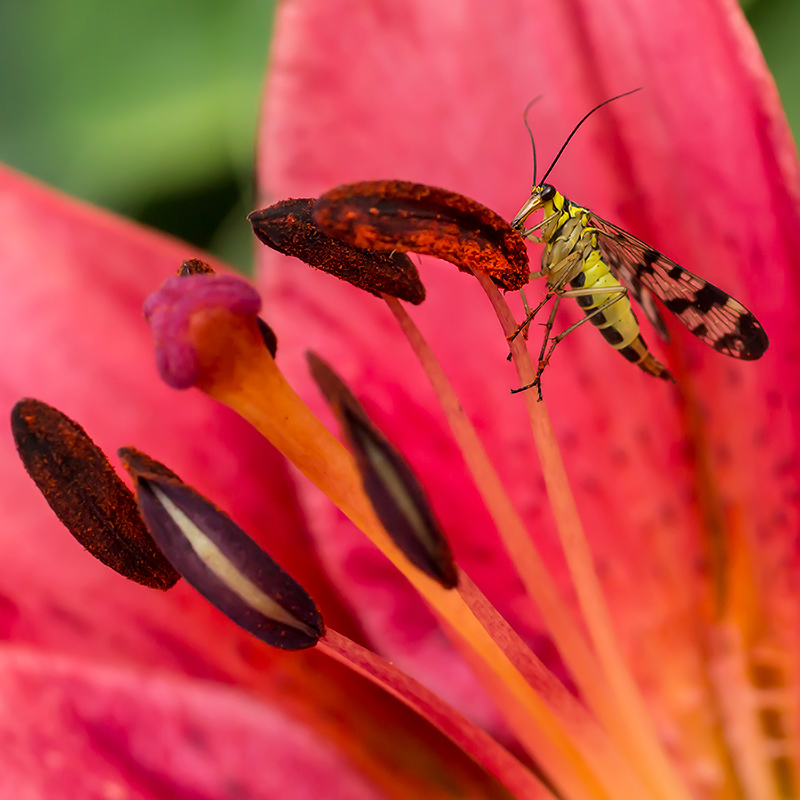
column 616, row 322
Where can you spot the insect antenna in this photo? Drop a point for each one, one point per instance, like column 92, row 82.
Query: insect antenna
column 530, row 132
column 575, row 129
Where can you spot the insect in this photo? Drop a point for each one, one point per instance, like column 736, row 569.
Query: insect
column 598, row 264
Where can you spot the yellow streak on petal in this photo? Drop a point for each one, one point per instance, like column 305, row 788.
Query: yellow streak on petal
column 751, row 672
column 237, row 370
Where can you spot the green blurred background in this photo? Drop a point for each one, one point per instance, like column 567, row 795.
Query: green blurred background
column 150, row 108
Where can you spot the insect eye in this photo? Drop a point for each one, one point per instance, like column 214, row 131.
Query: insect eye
column 547, row 192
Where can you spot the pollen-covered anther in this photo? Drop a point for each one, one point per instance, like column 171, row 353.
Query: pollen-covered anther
column 86, row 493
column 403, row 216
column 205, row 329
column 391, row 486
column 289, row 228
column 221, row 561
column 194, row 266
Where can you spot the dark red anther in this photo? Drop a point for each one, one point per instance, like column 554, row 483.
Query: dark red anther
column 289, row 228
column 390, row 484
column 398, row 215
column 86, row 493
column 220, row 560
column 194, row 266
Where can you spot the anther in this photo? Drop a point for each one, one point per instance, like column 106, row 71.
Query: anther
column 220, row 560
column 289, row 228
column 389, row 483
column 398, row 215
column 87, row 495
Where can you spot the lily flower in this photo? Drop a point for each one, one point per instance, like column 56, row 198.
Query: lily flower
column 113, row 690
column 685, row 492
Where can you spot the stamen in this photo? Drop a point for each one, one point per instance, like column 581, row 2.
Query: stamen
column 87, row 495
column 398, row 215
column 221, row 561
column 234, row 367
column 406, row 216
column 390, row 484
column 558, row 618
column 641, row 740
column 468, row 736
column 268, row 336
column 603, row 754
column 289, row 228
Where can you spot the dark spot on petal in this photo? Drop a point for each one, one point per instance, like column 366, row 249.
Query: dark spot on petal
column 9, row 614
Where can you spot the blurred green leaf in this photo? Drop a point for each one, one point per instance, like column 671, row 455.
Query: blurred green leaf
column 777, row 26
column 151, row 108
column 121, row 104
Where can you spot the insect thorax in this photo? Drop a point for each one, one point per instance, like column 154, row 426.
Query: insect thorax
column 567, row 234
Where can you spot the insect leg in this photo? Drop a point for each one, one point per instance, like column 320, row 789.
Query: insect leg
column 531, row 314
column 528, row 233
column 620, row 292
column 537, row 381
column 546, row 353
column 564, row 268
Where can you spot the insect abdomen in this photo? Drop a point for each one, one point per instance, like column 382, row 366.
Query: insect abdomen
column 617, row 322
column 638, row 353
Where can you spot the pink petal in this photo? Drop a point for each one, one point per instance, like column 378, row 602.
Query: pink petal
column 700, row 163
column 75, row 283
column 76, row 279
column 73, row 730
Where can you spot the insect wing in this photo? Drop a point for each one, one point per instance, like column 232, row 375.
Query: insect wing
column 615, row 259
column 712, row 315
